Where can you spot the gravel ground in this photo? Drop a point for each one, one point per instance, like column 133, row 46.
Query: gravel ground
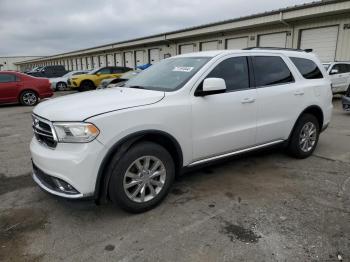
column 264, row 206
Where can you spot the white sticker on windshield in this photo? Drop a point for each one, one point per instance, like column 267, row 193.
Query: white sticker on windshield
column 186, row 69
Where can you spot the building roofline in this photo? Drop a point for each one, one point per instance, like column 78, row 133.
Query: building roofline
column 187, row 29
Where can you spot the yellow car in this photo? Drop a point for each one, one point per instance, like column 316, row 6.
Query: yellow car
column 93, row 79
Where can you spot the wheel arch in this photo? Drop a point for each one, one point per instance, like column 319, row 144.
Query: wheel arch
column 87, row 81
column 27, row 89
column 313, row 110
column 160, row 137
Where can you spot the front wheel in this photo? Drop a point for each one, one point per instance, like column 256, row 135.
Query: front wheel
column 29, row 98
column 61, row 86
column 86, row 86
column 142, row 177
column 304, row 138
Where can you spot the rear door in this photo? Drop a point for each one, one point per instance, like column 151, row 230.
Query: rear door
column 9, row 86
column 226, row 122
column 279, row 97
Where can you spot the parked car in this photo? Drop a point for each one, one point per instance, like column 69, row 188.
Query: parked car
column 50, row 71
column 128, row 143
column 346, row 101
column 60, row 83
column 34, row 69
column 93, row 79
column 114, row 82
column 16, row 87
column 339, row 73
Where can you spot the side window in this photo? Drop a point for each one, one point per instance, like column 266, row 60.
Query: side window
column 6, row 78
column 116, row 70
column 104, row 71
column 307, row 68
column 234, row 71
column 271, row 70
column 341, row 68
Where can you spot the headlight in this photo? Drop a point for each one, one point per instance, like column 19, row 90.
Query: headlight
column 75, row 132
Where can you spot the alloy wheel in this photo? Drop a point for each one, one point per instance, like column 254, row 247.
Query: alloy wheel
column 308, row 137
column 29, row 98
column 144, row 179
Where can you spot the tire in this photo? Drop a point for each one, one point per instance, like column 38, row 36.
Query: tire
column 128, row 181
column 86, row 86
column 304, row 138
column 347, row 93
column 61, row 86
column 28, row 98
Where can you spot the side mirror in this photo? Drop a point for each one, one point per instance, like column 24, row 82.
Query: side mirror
column 212, row 86
column 98, row 74
column 334, row 71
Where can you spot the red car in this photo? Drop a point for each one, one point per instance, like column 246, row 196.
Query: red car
column 28, row 90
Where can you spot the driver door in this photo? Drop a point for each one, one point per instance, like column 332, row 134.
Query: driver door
column 226, row 122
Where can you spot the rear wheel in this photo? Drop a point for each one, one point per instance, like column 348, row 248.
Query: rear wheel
column 142, row 177
column 305, row 136
column 60, row 86
column 29, row 98
column 86, row 86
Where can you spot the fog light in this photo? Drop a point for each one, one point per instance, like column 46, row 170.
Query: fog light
column 64, row 186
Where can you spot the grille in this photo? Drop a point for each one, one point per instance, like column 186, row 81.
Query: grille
column 43, row 132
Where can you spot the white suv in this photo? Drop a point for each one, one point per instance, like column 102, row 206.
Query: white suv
column 339, row 73
column 128, row 143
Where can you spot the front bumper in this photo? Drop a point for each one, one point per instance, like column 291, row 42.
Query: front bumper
column 346, row 103
column 75, row 165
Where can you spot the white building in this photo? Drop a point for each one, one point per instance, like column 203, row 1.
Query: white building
column 8, row 62
column 323, row 26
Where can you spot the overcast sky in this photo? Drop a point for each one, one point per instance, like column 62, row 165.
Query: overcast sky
column 47, row 27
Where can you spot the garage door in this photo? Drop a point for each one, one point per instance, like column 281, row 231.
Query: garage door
column 140, row 58
column 118, row 59
column 323, row 41
column 89, row 62
column 83, row 63
column 79, row 63
column 237, row 43
column 103, row 61
column 95, row 62
column 154, row 55
column 110, row 60
column 184, row 49
column 273, row 40
column 207, row 46
column 128, row 60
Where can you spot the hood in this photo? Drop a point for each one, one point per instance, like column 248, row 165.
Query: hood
column 80, row 106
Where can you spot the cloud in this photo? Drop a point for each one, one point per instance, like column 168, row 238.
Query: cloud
column 41, row 27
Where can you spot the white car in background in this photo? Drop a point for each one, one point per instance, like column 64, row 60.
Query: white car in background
column 339, row 73
column 60, row 83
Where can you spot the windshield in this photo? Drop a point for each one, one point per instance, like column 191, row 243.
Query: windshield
column 326, row 66
column 169, row 74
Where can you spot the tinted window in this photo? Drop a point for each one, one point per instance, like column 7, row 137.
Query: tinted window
column 5, row 78
column 117, row 70
column 104, row 71
column 234, row 71
column 271, row 70
column 307, row 68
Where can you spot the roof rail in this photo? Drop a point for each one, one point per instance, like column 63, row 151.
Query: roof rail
column 278, row 48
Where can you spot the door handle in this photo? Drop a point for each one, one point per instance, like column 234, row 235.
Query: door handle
column 248, row 100
column 299, row 93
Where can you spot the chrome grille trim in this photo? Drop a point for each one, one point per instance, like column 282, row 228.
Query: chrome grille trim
column 44, row 131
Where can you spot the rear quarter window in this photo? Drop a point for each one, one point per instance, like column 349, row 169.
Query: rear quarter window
column 307, row 68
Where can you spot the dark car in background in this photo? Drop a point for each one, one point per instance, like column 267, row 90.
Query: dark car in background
column 16, row 87
column 50, row 71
